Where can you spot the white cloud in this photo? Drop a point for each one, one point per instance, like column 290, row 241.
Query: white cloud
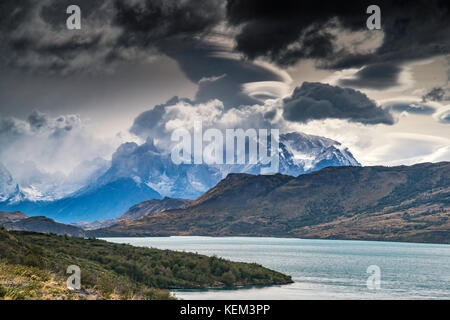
column 159, row 122
column 42, row 151
column 407, row 148
column 443, row 115
column 263, row 90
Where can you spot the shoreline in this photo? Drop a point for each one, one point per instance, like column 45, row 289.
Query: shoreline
column 273, row 237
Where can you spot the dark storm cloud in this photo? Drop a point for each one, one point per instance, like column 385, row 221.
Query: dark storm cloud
column 268, row 28
column 376, row 76
column 119, row 31
column 437, row 94
column 318, row 101
column 13, row 13
column 279, row 30
column 146, row 23
column 148, row 122
column 270, row 115
column 177, row 29
column 10, row 128
column 33, row 37
column 37, row 120
column 51, row 11
column 288, row 31
column 219, row 76
column 34, row 34
column 282, row 31
column 37, row 123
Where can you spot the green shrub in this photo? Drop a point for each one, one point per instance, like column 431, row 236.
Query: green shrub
column 2, row 291
column 228, row 278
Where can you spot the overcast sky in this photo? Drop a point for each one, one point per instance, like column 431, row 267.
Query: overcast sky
column 68, row 96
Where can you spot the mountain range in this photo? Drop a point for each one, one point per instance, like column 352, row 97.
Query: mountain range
column 91, row 203
column 18, row 221
column 137, row 211
column 366, row 203
column 7, row 217
column 143, row 172
column 298, row 153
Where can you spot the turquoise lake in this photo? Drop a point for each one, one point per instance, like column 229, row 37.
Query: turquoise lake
column 322, row 269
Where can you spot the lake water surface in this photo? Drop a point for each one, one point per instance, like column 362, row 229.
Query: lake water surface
column 322, row 269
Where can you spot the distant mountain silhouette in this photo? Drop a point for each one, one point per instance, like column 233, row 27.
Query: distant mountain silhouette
column 138, row 211
column 44, row 225
column 93, row 203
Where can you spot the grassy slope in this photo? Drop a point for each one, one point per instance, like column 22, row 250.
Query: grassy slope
column 124, row 271
column 20, row 282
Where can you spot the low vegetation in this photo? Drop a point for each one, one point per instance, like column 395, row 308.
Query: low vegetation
column 20, row 282
column 112, row 271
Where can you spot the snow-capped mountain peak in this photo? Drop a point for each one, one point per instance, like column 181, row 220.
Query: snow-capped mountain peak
column 299, row 153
